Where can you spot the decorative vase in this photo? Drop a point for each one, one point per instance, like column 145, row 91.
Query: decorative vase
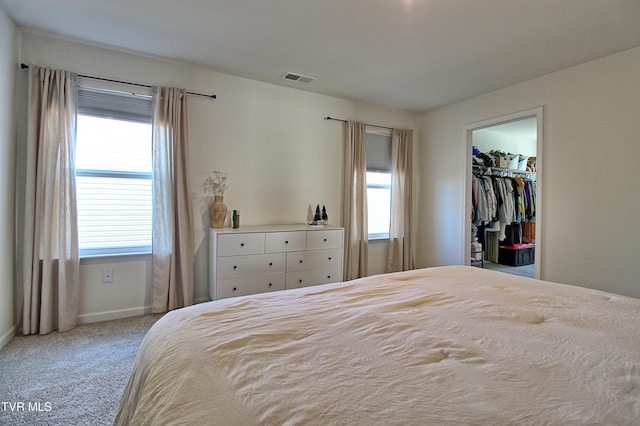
column 217, row 212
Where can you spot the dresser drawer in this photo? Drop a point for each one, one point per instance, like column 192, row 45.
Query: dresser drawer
column 239, row 266
column 255, row 259
column 317, row 259
column 240, row 244
column 277, row 242
column 233, row 287
column 328, row 239
column 313, row 277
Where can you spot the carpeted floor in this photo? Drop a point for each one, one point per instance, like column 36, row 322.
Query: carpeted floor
column 71, row 378
column 525, row 271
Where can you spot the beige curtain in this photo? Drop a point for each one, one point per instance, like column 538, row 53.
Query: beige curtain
column 172, row 243
column 354, row 202
column 50, row 267
column 400, row 252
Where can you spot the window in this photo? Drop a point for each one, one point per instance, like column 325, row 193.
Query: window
column 378, row 148
column 113, row 172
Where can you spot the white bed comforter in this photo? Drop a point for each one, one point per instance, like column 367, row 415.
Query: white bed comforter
column 451, row 345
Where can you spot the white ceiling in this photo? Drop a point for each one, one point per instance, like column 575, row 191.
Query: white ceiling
column 521, row 129
column 409, row 54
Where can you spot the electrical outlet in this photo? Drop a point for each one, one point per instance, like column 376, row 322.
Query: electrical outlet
column 107, row 275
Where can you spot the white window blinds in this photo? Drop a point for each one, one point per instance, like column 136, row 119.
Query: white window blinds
column 113, row 172
column 378, row 151
column 112, row 104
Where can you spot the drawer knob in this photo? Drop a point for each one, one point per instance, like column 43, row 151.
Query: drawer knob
column 270, row 263
column 300, row 260
column 329, row 258
column 325, row 240
column 270, row 284
column 235, row 267
column 235, row 288
column 299, row 281
column 286, row 242
column 329, row 276
column 241, row 244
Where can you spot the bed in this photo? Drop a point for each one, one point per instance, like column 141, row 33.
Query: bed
column 446, row 345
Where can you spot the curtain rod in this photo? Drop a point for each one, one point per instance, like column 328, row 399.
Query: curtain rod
column 25, row 66
column 344, row 121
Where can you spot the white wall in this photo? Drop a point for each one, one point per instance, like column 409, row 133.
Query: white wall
column 280, row 154
column 591, row 186
column 487, row 140
column 8, row 56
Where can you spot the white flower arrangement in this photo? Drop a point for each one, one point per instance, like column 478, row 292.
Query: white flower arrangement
column 215, row 184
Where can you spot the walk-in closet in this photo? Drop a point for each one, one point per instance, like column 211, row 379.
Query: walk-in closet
column 504, row 201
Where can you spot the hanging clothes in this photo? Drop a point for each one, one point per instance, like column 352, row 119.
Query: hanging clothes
column 500, row 201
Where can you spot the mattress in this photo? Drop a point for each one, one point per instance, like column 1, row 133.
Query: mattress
column 447, row 345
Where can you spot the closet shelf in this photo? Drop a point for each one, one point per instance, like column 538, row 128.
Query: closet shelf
column 502, row 172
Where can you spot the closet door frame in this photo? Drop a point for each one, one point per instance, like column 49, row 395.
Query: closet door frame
column 469, row 129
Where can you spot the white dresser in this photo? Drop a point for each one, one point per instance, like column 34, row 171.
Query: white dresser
column 256, row 259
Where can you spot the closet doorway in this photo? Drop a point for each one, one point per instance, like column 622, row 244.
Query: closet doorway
column 503, row 193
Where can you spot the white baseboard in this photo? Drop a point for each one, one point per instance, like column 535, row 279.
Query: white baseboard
column 6, row 337
column 122, row 313
column 111, row 315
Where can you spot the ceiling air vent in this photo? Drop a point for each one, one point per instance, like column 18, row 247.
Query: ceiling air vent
column 291, row 76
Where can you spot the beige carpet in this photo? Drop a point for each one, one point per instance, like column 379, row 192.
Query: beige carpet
column 72, row 378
